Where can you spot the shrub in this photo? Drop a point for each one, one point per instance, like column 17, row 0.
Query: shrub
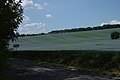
column 115, row 35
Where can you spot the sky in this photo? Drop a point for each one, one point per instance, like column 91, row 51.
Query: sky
column 41, row 16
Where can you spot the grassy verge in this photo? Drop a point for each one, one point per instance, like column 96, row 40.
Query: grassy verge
column 101, row 62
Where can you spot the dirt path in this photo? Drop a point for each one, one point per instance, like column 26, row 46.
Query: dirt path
column 26, row 70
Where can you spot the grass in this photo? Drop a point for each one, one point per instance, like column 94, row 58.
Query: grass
column 101, row 62
column 87, row 40
column 99, row 44
column 92, row 51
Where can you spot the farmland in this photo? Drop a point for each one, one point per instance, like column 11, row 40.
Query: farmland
column 86, row 40
column 85, row 51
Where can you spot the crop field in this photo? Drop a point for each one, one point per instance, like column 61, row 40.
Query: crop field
column 86, row 40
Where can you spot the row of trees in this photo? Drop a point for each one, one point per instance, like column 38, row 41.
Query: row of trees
column 24, row 35
column 106, row 26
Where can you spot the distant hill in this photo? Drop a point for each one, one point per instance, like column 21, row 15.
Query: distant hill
column 85, row 40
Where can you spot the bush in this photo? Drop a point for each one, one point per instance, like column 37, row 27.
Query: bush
column 115, row 35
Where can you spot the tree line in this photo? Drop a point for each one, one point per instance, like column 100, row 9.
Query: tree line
column 24, row 35
column 106, row 26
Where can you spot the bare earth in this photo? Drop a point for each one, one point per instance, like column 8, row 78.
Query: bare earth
column 26, row 70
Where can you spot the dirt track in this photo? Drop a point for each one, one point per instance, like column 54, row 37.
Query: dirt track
column 26, row 70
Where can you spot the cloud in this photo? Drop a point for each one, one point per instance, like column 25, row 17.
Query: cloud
column 45, row 4
column 48, row 15
column 32, row 28
column 112, row 22
column 28, row 27
column 38, row 6
column 26, row 19
column 29, row 4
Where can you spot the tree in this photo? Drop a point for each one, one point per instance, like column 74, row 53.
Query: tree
column 11, row 15
column 115, row 35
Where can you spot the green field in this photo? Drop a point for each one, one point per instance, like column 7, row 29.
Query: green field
column 86, row 40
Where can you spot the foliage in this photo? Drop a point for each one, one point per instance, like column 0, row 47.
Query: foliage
column 115, row 35
column 10, row 17
column 98, row 61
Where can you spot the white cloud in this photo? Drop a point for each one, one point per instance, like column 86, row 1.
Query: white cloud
column 112, row 22
column 29, row 4
column 32, row 28
column 38, row 6
column 26, row 19
column 48, row 15
column 29, row 27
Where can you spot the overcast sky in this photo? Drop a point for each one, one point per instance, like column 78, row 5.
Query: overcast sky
column 47, row 15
